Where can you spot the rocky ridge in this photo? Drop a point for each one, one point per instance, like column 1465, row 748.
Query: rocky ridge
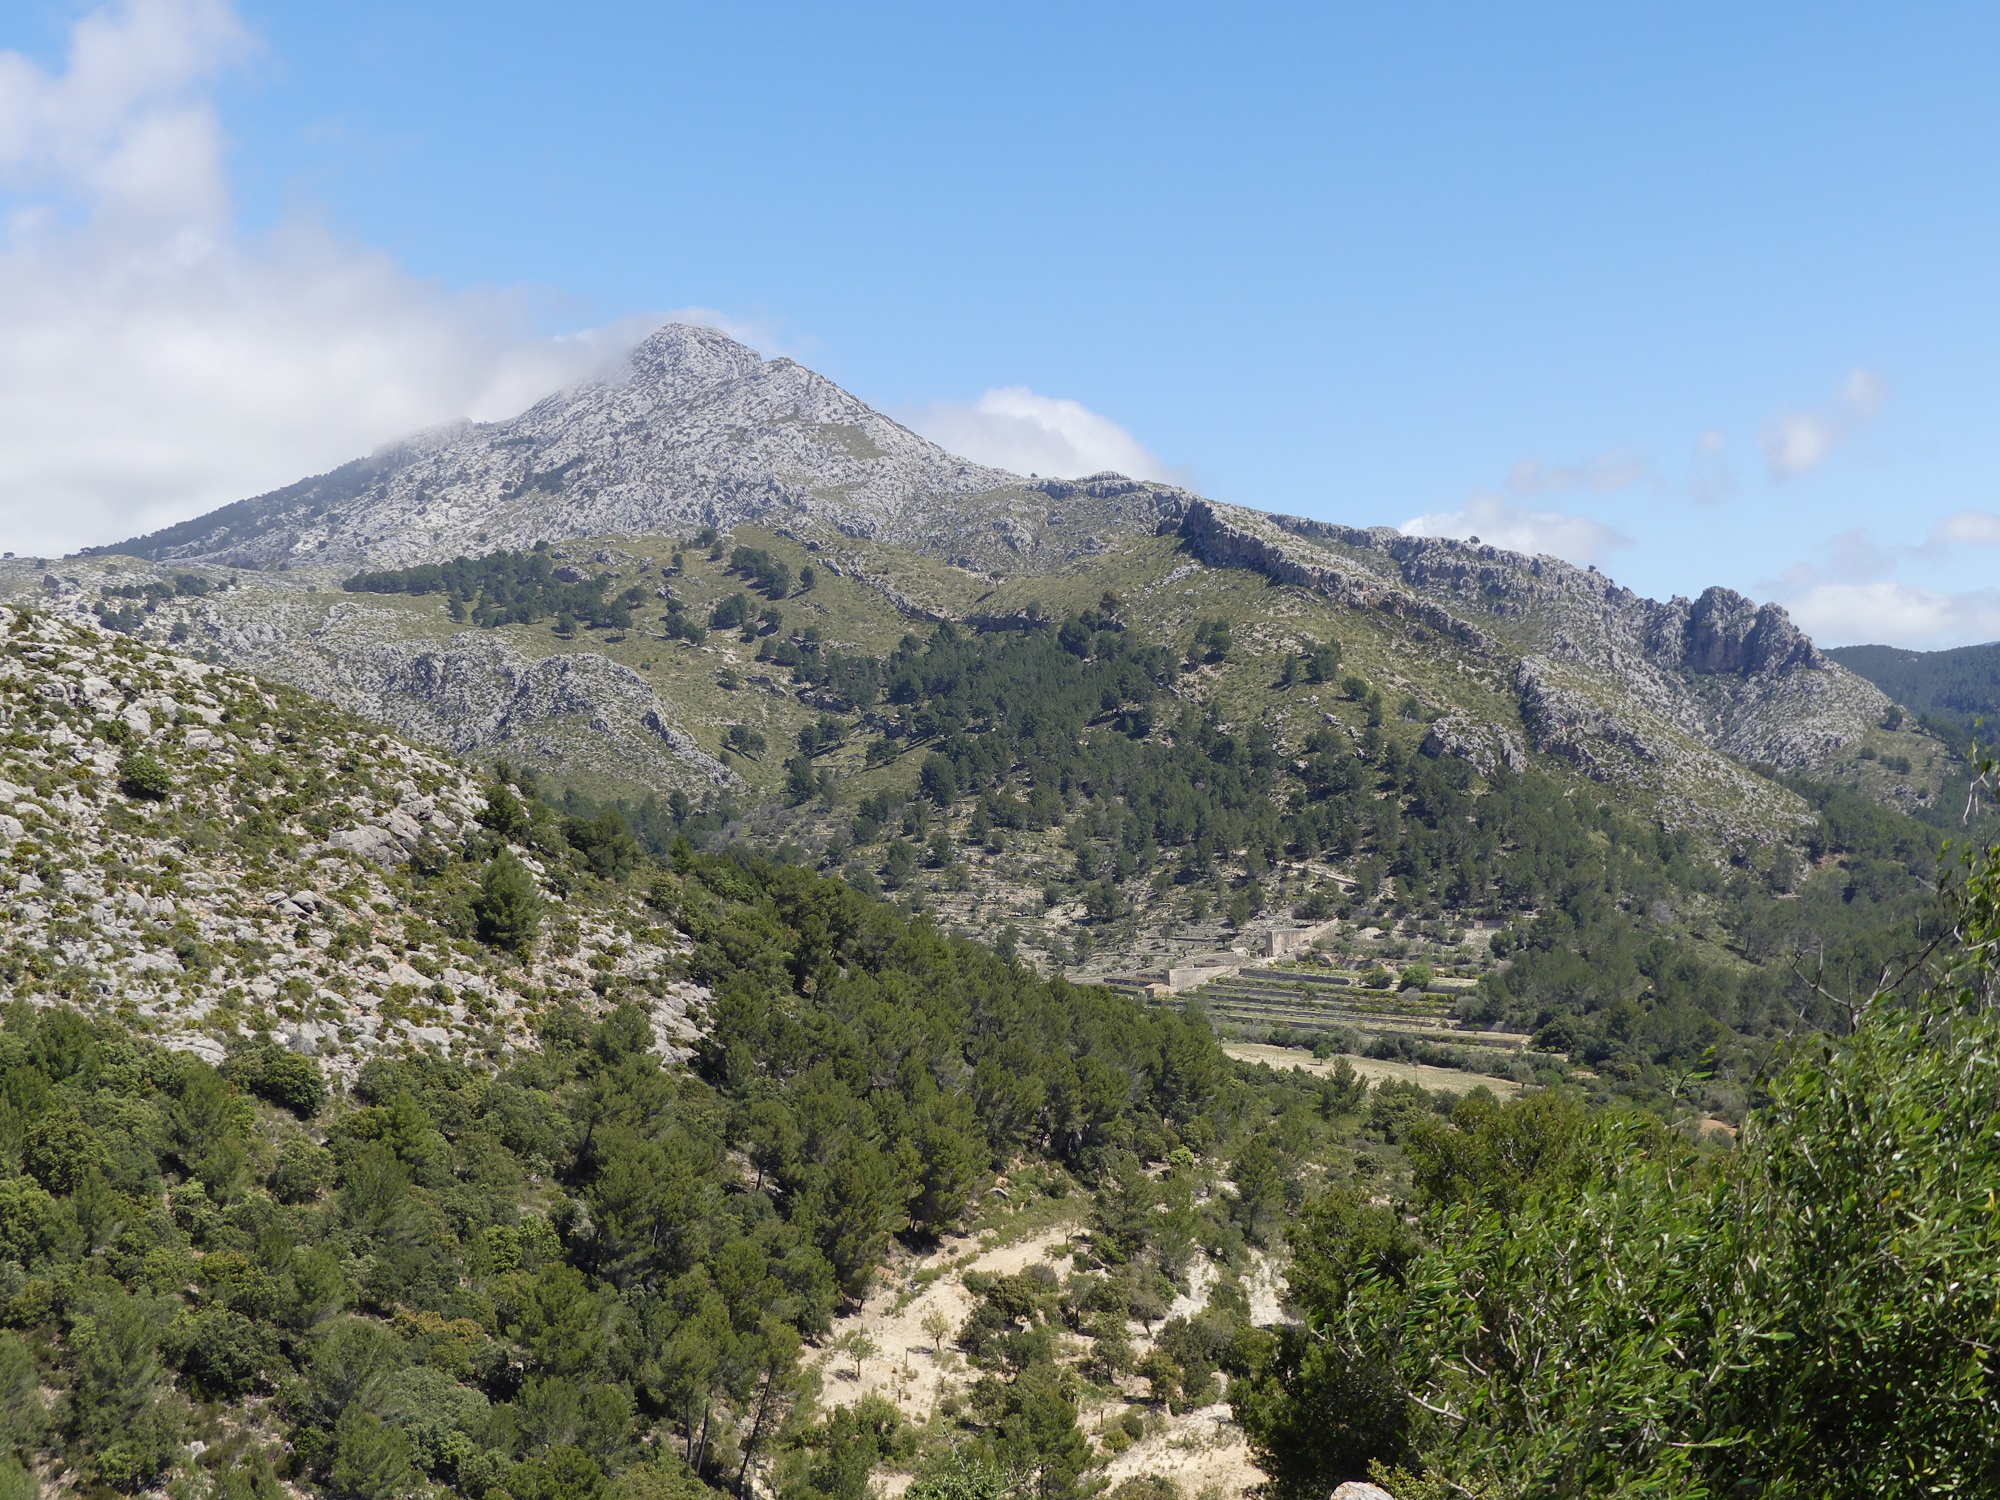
column 473, row 691
column 468, row 692
column 263, row 881
column 1621, row 686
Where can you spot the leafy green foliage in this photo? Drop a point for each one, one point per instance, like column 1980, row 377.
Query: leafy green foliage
column 401, row 1308
column 1961, row 685
column 285, row 1078
column 142, row 599
column 1595, row 1304
column 773, row 575
column 1072, row 726
column 603, row 843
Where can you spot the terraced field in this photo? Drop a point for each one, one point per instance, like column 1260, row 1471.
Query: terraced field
column 1309, row 1001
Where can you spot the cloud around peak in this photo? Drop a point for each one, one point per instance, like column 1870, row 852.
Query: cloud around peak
column 1023, row 431
column 158, row 363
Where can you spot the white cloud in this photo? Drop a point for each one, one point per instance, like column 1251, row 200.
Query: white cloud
column 1962, row 528
column 1797, row 442
column 1602, row 475
column 1577, row 539
column 1854, row 556
column 766, row 335
column 155, row 363
column 1896, row 614
column 1029, row 433
column 1854, row 596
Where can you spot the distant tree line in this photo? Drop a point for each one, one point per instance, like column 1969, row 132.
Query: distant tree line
column 509, row 588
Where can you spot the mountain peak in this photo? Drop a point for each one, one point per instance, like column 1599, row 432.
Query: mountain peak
column 700, row 430
column 688, row 356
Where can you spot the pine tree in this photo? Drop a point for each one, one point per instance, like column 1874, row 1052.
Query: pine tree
column 508, row 907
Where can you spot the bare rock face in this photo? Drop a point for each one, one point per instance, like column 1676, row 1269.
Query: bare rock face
column 1485, row 747
column 1565, row 720
column 1725, row 632
column 475, row 693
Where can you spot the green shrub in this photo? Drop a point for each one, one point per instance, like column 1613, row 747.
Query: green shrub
column 143, row 778
column 302, row 1172
column 224, row 1354
column 291, row 1081
column 560, row 1474
column 603, row 843
column 23, row 1417
column 371, row 1460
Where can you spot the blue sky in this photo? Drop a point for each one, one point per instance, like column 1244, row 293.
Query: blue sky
column 1701, row 294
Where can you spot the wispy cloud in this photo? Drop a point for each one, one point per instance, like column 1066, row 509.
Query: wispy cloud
column 1890, row 613
column 1797, row 442
column 1709, row 476
column 156, row 362
column 767, row 335
column 1713, row 479
column 1602, row 475
column 1492, row 518
column 1022, row 430
column 1959, row 530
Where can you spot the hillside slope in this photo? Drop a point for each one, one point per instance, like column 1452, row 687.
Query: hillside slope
column 1960, row 686
column 357, row 1139
column 702, row 432
column 691, row 679
column 211, row 857
column 1624, row 687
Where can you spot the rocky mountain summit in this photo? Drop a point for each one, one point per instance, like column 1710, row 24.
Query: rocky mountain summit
column 698, row 431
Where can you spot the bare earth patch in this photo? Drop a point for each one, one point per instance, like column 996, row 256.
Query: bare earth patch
column 906, row 1366
column 1372, row 1069
column 1203, row 1451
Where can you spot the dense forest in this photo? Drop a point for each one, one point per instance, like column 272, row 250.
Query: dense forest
column 1959, row 687
column 577, row 1268
column 511, row 588
column 577, row 1271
